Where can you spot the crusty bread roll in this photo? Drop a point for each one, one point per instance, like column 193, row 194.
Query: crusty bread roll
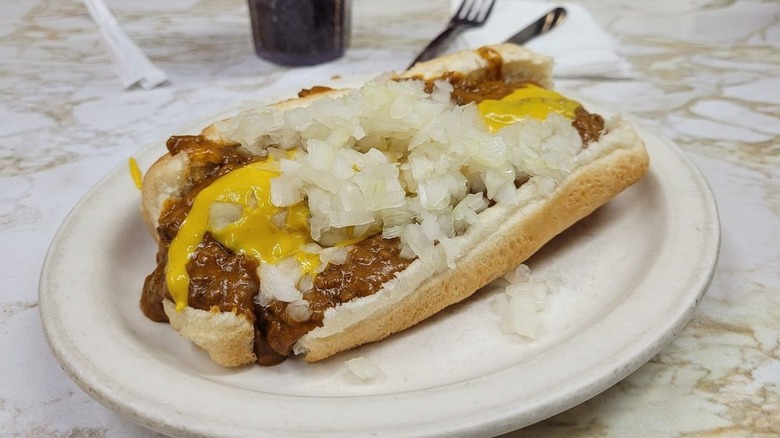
column 503, row 237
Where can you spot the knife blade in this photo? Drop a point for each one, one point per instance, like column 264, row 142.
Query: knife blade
column 544, row 24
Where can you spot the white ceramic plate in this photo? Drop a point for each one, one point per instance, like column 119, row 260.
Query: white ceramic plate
column 628, row 279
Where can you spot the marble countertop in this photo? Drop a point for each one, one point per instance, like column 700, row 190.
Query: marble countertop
column 707, row 77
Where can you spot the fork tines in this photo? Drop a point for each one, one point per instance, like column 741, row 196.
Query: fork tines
column 474, row 10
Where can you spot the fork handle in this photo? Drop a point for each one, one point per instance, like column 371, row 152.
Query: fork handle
column 438, row 43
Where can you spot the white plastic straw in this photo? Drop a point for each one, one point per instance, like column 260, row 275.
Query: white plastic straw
column 131, row 64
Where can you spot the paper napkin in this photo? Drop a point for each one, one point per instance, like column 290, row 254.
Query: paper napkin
column 579, row 46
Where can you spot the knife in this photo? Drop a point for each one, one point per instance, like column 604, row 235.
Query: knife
column 543, row 25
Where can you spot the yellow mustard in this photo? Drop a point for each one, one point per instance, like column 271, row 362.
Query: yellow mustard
column 135, row 172
column 253, row 234
column 528, row 101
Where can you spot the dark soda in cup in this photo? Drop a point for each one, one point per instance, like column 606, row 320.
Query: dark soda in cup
column 300, row 32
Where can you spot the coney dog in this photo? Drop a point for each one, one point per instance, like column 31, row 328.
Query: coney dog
column 340, row 217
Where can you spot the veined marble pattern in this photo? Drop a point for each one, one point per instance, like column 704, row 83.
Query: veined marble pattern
column 708, row 78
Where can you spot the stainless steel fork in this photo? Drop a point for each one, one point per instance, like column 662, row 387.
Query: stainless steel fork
column 471, row 13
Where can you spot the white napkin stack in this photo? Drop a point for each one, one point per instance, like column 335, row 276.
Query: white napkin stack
column 580, row 47
column 131, row 64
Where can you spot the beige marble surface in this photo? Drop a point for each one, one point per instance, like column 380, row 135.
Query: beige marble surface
column 707, row 77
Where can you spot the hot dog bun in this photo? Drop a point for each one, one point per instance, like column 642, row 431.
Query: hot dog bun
column 504, row 235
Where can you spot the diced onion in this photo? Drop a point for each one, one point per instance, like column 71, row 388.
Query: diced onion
column 298, row 310
column 306, row 283
column 522, row 317
column 520, row 274
column 278, row 281
column 363, row 368
column 521, row 303
column 417, row 241
column 394, row 158
column 336, row 255
column 279, row 219
column 285, row 190
column 222, row 214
